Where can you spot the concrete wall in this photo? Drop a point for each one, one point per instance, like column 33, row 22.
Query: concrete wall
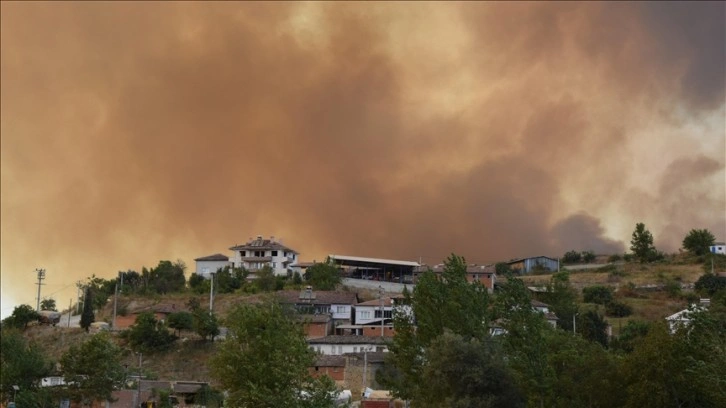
column 204, row 268
column 389, row 287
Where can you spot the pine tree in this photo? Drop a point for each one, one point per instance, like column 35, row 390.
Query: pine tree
column 87, row 317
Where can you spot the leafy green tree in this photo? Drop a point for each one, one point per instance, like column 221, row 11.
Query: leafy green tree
column 585, row 374
column 641, row 244
column 198, row 284
column 92, row 369
column 571, row 257
column 588, row 256
column 323, row 276
column 466, row 373
column 167, row 277
column 264, row 361
column 629, row 335
column 502, row 268
column 266, row 281
column 618, row 309
column 228, row 280
column 439, row 303
column 698, row 241
column 685, row 369
column 525, row 341
column 23, row 363
column 149, row 334
column 180, row 321
column 206, row 324
column 562, row 299
column 48, row 304
column 597, row 294
column 20, row 318
column 88, row 317
column 594, row 327
column 710, row 283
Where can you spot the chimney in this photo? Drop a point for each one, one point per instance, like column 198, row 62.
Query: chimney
column 272, row 238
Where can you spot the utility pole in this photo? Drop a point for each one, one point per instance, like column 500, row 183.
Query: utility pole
column 70, row 305
column 211, row 293
column 380, row 294
column 115, row 297
column 41, row 276
column 78, row 297
column 137, row 403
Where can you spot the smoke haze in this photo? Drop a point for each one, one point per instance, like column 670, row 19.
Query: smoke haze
column 134, row 132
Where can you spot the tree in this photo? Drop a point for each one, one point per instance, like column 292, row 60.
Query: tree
column 266, row 281
column 180, row 321
column 467, row 373
column 594, row 327
column 597, row 294
column 323, row 276
column 148, row 334
column 264, row 361
column 502, row 268
column 698, row 241
column 198, row 283
column 588, row 256
column 571, row 257
column 48, row 304
column 21, row 317
column 88, row 317
column 92, row 369
column 439, row 303
column 167, row 277
column 618, row 309
column 562, row 299
column 23, row 363
column 206, row 324
column 709, row 284
column 641, row 244
column 630, row 335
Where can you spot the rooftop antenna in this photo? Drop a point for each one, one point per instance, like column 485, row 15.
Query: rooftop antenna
column 41, row 276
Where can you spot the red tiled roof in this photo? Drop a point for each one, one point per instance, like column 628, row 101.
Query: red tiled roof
column 215, row 257
column 260, row 244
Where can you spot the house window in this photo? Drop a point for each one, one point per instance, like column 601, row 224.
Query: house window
column 365, row 315
column 340, row 349
column 242, row 253
column 335, row 369
column 274, row 253
column 387, row 314
column 340, row 309
column 260, row 253
column 355, row 349
column 274, row 265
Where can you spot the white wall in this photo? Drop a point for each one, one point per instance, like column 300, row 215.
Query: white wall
column 204, row 268
column 338, row 349
column 718, row 249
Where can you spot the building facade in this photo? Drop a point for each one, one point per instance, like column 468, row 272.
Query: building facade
column 258, row 253
column 210, row 264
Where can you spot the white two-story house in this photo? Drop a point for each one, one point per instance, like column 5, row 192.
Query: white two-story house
column 259, row 252
column 208, row 265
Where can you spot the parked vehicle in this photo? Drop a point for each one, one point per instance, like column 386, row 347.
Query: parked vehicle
column 49, row 317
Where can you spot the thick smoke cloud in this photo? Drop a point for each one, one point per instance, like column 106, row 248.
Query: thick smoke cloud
column 138, row 132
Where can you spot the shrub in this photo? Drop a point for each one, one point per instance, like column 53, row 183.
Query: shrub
column 614, row 258
column 618, row 309
column 571, row 257
column 709, row 284
column 588, row 256
column 598, row 294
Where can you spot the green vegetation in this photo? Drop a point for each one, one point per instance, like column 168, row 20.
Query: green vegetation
column 92, row 369
column 148, row 334
column 698, row 241
column 323, row 276
column 20, row 318
column 87, row 317
column 641, row 245
column 264, row 362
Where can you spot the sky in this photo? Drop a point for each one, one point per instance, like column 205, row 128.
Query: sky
column 133, row 132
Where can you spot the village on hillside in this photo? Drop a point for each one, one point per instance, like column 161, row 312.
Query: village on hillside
column 349, row 325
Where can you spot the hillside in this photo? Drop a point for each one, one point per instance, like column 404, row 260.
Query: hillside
column 654, row 291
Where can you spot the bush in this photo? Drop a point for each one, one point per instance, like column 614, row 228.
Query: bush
column 614, row 258
column 598, row 294
column 588, row 256
column 618, row 309
column 571, row 257
column 709, row 284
